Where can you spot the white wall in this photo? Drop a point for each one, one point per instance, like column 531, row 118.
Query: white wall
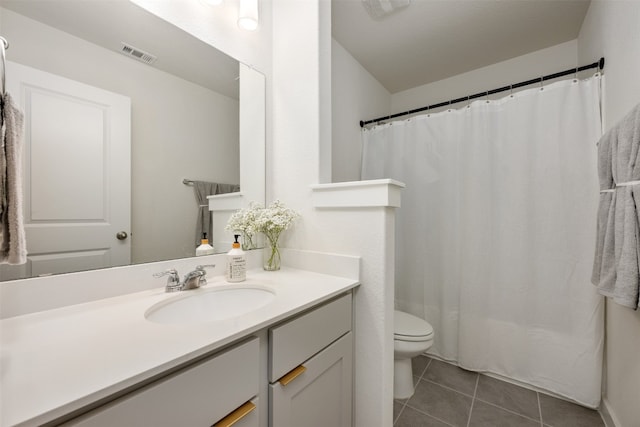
column 612, row 29
column 356, row 95
column 301, row 34
column 179, row 130
column 293, row 161
column 522, row 68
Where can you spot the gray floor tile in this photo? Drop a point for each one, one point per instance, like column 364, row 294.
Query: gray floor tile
column 397, row 408
column 497, row 403
column 419, row 364
column 442, row 403
column 508, row 396
column 485, row 415
column 412, row 418
column 560, row 413
column 451, row 376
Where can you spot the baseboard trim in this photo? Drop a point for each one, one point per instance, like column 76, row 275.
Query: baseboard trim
column 607, row 415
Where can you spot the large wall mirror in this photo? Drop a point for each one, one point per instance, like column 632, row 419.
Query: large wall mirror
column 124, row 111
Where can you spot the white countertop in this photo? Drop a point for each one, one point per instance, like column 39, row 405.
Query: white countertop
column 57, row 361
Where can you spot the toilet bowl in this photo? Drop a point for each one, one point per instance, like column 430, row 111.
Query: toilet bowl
column 412, row 336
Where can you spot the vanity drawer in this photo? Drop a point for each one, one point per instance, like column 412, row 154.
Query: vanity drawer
column 198, row 395
column 297, row 340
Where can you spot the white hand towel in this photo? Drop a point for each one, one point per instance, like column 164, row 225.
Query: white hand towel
column 13, row 248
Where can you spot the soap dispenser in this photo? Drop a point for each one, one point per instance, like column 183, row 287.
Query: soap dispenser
column 205, row 248
column 236, row 262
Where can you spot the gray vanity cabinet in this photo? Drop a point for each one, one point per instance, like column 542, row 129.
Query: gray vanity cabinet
column 308, row 371
column 311, row 368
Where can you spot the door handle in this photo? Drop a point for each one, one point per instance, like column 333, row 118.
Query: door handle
column 236, row 415
column 292, row 375
column 121, row 235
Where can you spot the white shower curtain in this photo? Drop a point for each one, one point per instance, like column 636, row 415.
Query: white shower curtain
column 495, row 236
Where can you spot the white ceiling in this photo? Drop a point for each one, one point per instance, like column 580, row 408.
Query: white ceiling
column 107, row 23
column 427, row 41
column 434, row 39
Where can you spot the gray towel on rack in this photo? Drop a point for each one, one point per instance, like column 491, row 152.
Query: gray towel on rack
column 13, row 247
column 202, row 189
column 616, row 267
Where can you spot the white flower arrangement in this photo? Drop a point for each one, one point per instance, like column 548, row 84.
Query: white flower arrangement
column 274, row 220
column 271, row 221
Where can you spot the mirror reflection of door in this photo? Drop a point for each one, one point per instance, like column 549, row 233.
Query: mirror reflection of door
column 76, row 169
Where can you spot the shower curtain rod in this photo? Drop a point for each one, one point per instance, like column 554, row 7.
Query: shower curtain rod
column 598, row 64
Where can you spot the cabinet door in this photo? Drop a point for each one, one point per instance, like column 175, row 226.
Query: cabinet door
column 321, row 395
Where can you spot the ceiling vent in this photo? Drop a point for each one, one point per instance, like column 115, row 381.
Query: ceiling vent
column 138, row 54
column 378, row 9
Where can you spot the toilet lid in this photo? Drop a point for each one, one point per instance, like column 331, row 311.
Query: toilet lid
column 409, row 326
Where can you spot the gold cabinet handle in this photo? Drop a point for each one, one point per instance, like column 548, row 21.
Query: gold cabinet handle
column 236, row 415
column 292, row 375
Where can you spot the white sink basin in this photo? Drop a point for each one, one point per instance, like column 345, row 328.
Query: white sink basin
column 209, row 305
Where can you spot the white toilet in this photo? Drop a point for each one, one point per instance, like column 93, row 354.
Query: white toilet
column 412, row 336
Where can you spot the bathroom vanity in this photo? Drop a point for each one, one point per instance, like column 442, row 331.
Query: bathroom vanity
column 286, row 363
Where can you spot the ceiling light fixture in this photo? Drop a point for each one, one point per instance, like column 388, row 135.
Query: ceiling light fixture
column 248, row 15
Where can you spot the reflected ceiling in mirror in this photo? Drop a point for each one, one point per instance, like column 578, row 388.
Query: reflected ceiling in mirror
column 112, row 23
column 184, row 122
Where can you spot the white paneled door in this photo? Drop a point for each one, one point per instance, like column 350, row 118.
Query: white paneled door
column 77, row 173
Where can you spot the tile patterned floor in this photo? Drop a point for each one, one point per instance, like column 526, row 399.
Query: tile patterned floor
column 447, row 396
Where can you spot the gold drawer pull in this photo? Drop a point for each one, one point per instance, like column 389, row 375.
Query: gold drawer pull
column 236, row 415
column 292, row 375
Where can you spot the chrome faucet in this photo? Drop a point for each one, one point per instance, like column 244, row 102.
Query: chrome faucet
column 192, row 280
